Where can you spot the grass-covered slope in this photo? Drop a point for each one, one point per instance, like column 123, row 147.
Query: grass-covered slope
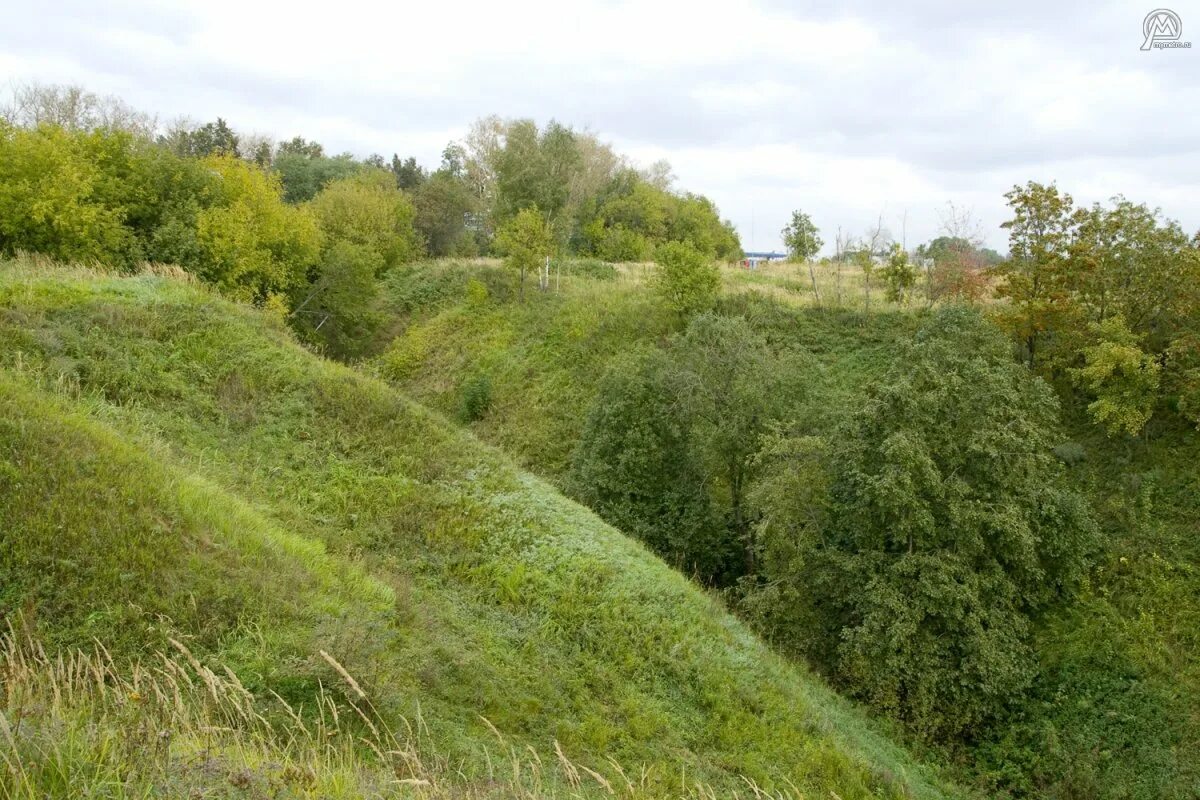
column 173, row 465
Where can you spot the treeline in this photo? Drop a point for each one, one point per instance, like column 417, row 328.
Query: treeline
column 288, row 226
column 1103, row 301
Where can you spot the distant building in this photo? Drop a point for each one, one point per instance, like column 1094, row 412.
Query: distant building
column 752, row 260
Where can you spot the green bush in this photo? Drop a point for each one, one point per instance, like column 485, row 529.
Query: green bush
column 638, row 468
column 685, row 279
column 590, row 268
column 476, row 398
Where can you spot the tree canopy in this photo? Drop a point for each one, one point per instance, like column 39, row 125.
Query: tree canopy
column 947, row 526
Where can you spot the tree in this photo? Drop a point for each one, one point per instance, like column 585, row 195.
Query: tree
column 692, row 218
column 409, row 174
column 637, row 467
column 525, row 241
column 299, row 146
column 876, row 244
column 731, row 389
column 1126, row 260
column 1034, row 277
column 61, row 194
column 443, row 203
column 212, row 138
column 899, row 275
column 73, row 108
column 802, row 238
column 642, row 209
column 258, row 149
column 596, row 167
column 1181, row 376
column 480, row 149
column 368, row 210
column 803, row 242
column 685, row 279
column 338, row 314
column 668, row 451
column 255, row 247
column 955, row 269
column 660, row 175
column 533, row 168
column 304, row 170
column 1121, row 377
column 949, row 529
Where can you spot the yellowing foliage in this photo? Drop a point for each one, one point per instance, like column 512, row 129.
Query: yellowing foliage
column 256, row 244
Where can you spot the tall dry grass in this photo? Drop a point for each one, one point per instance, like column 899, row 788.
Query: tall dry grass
column 78, row 724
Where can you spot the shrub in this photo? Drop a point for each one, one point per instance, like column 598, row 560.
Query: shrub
column 367, row 210
column 591, row 268
column 476, row 398
column 1121, row 376
column 255, row 245
column 685, row 279
column 636, row 466
column 57, row 198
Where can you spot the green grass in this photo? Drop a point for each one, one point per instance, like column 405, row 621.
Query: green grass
column 174, row 465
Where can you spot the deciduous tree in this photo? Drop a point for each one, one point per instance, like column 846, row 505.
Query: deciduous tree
column 1034, row 278
column 949, row 528
column 686, row 280
column 256, row 247
column 525, row 241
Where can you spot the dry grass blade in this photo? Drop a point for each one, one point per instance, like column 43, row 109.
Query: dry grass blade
column 346, row 676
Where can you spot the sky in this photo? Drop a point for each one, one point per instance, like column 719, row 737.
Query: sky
column 852, row 111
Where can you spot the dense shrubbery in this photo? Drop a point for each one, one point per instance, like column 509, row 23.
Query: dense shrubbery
column 945, row 526
column 905, row 552
column 668, row 450
column 687, row 281
column 638, row 467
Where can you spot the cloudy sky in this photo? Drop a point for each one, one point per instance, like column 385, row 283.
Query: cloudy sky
column 849, row 110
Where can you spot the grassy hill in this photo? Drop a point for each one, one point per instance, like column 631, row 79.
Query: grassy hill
column 1116, row 709
column 174, row 468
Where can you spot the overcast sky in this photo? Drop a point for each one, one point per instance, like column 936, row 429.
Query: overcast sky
column 848, row 110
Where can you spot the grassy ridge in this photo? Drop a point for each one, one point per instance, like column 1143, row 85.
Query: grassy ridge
column 98, row 557
column 450, row 584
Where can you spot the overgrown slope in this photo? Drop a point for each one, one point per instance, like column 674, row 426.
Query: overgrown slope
column 1115, row 711
column 455, row 324
column 172, row 464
